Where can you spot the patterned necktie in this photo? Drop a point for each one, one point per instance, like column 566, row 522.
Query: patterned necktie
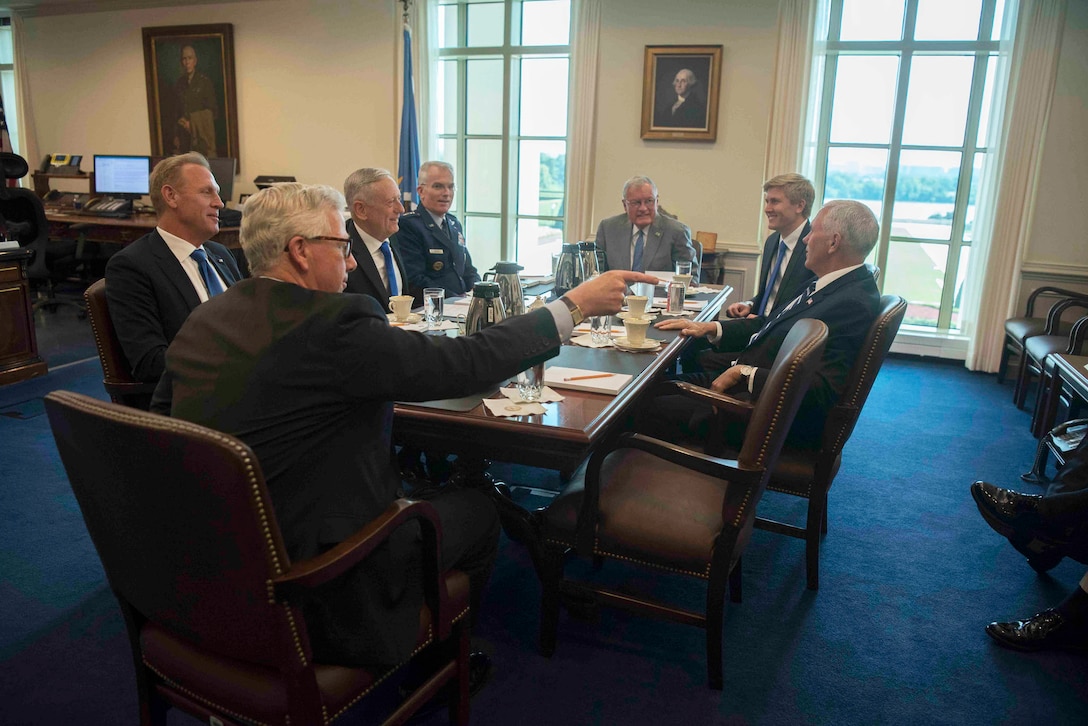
column 390, row 271
column 211, row 280
column 808, row 292
column 772, row 279
column 640, row 243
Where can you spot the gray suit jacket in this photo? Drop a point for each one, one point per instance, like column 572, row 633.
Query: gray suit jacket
column 667, row 241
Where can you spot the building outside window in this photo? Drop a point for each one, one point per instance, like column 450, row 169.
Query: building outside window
column 501, row 79
column 900, row 121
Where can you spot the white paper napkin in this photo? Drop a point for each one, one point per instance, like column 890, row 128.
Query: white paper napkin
column 421, row 326
column 512, row 405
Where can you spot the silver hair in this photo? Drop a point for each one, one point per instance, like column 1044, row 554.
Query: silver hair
column 425, row 168
column 357, row 185
column 798, row 190
column 855, row 222
column 274, row 215
column 693, row 80
column 637, row 181
column 167, row 173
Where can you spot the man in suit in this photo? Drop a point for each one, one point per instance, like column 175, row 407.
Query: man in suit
column 307, row 377
column 787, row 204
column 641, row 239
column 843, row 295
column 431, row 240
column 374, row 202
column 154, row 283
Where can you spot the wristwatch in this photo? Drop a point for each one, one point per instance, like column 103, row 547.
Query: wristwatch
column 747, row 371
column 575, row 311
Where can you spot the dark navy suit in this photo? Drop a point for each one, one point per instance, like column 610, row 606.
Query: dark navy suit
column 433, row 257
column 365, row 278
column 150, row 296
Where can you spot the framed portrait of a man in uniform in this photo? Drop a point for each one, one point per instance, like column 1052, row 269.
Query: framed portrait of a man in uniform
column 191, row 102
column 680, row 92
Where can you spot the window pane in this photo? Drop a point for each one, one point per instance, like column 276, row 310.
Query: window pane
column 925, row 194
column 7, row 88
column 545, row 22
column 978, row 170
column 483, row 235
column 937, row 99
column 537, row 241
column 987, row 101
column 857, row 174
column 541, row 175
column 544, row 96
column 961, row 277
column 448, row 35
column 916, row 271
column 944, row 20
column 485, row 24
column 484, row 102
column 999, row 20
column 872, row 20
column 446, row 89
column 5, row 44
column 861, row 111
column 483, row 175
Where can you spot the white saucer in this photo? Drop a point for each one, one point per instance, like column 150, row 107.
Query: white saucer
column 624, row 344
column 650, row 314
column 413, row 318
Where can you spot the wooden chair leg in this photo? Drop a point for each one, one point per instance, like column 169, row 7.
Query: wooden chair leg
column 550, row 577
column 1023, row 376
column 815, row 526
column 715, row 617
column 1003, row 364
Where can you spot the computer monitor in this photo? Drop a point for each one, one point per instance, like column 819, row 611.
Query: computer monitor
column 121, row 177
column 223, row 168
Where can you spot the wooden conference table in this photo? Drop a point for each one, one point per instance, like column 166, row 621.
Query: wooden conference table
column 567, row 433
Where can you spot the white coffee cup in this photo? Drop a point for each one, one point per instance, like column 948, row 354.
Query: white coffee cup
column 636, row 330
column 685, row 279
column 636, row 305
column 401, row 306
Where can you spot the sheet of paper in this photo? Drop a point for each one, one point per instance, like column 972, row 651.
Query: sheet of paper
column 610, row 383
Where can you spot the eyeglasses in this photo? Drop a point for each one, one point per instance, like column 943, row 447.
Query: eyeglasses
column 345, row 242
column 640, row 202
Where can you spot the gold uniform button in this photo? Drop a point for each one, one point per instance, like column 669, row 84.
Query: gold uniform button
column 437, row 267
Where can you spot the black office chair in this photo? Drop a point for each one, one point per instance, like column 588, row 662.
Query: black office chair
column 23, row 216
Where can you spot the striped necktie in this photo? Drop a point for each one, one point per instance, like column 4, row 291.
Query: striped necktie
column 768, row 289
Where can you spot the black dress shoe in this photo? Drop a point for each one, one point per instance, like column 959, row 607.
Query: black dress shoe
column 1046, row 630
column 479, row 669
column 1009, row 513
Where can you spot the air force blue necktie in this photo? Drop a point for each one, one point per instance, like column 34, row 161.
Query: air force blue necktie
column 211, row 280
column 390, row 270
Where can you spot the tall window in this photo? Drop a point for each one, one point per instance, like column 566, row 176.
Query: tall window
column 7, row 81
column 501, row 81
column 902, row 125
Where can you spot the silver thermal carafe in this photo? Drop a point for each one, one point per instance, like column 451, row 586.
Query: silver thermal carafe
column 485, row 308
column 568, row 272
column 506, row 275
column 588, row 252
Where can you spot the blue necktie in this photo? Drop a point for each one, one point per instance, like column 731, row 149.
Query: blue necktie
column 640, row 243
column 772, row 279
column 390, row 271
column 805, row 295
column 211, row 280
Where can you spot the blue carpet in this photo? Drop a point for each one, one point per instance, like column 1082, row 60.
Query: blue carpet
column 910, row 575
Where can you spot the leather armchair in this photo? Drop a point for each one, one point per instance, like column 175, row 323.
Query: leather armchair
column 654, row 504
column 1017, row 330
column 184, row 526
column 1037, row 351
column 1037, row 347
column 117, row 372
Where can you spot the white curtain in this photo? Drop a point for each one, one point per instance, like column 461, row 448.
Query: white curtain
column 28, row 137
column 789, row 96
column 582, row 119
column 1031, row 88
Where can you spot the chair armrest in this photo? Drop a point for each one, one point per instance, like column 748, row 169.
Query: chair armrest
column 725, row 404
column 1054, row 317
column 1076, row 336
column 308, row 574
column 1030, row 310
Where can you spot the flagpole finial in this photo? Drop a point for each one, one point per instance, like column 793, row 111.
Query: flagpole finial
column 407, row 4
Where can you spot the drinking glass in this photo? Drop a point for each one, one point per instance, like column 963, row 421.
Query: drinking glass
column 530, row 382
column 433, row 299
column 600, row 329
column 683, row 267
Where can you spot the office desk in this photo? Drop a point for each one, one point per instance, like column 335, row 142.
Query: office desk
column 563, row 437
column 19, row 358
column 89, row 228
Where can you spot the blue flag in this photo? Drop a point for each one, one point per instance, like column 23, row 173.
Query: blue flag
column 408, row 161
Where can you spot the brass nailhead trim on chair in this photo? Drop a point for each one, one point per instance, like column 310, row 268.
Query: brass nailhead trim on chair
column 198, row 697
column 654, row 565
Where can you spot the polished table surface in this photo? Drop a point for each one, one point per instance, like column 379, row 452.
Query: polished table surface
column 566, row 434
column 70, row 224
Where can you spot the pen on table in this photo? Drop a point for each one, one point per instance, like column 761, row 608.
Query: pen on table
column 583, row 378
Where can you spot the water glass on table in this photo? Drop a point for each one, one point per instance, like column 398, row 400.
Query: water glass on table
column 600, row 329
column 530, row 382
column 433, row 300
column 683, row 267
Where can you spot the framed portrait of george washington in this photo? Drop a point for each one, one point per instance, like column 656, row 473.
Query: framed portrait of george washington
column 680, row 85
column 191, row 102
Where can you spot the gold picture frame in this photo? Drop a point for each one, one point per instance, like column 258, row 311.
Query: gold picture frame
column 191, row 101
column 672, row 71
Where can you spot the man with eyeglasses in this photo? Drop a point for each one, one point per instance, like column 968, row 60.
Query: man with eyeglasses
column 307, row 377
column 374, row 203
column 431, row 240
column 641, row 239
column 154, row 283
